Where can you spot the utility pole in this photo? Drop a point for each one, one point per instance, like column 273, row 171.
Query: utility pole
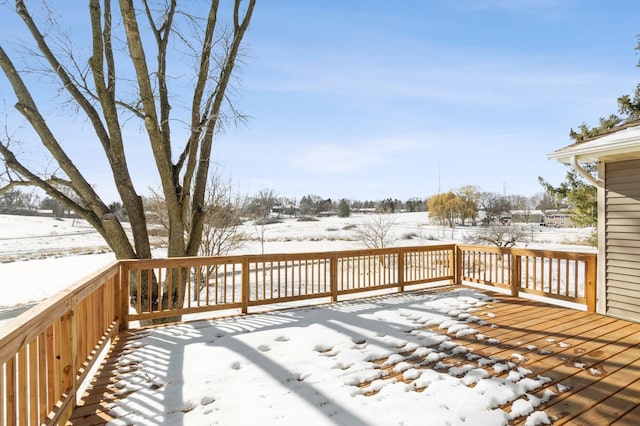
column 439, row 189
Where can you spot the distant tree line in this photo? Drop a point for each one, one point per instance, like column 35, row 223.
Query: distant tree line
column 315, row 205
column 460, row 206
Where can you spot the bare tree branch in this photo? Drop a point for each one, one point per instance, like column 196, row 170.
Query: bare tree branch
column 95, row 91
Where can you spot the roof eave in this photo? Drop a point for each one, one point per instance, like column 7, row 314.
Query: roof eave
column 596, row 150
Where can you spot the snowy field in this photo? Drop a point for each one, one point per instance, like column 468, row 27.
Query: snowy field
column 380, row 361
column 41, row 255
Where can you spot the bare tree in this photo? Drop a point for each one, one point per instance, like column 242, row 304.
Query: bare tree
column 494, row 206
column 220, row 234
column 131, row 79
column 524, row 207
column 375, row 231
column 499, row 236
column 260, row 208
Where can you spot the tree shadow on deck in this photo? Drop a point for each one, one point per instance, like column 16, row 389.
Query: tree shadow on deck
column 165, row 378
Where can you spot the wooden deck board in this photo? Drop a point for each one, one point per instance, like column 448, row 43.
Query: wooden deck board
column 569, row 367
column 589, row 391
column 624, row 397
column 632, row 418
column 537, row 345
column 595, row 360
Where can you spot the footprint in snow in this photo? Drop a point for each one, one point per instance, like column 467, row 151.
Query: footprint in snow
column 264, row 348
column 236, row 365
column 206, row 400
column 282, row 339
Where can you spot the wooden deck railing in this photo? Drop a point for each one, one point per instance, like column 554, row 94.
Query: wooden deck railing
column 560, row 275
column 181, row 286
column 47, row 352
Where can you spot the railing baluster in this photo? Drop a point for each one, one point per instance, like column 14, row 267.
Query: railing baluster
column 21, row 386
column 10, row 374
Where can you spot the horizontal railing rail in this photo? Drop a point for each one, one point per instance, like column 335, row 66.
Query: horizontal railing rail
column 47, row 352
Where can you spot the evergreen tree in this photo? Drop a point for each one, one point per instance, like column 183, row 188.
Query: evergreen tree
column 343, row 208
column 580, row 196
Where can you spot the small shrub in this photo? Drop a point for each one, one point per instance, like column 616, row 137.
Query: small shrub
column 267, row 221
column 158, row 232
column 307, row 219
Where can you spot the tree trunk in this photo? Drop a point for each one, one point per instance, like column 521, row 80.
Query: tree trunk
column 95, row 94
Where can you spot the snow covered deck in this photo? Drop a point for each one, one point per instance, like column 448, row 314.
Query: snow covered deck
column 454, row 354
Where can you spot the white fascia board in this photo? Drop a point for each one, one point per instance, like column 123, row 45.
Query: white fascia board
column 620, row 143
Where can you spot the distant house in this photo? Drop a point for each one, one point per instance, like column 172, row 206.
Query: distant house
column 617, row 154
column 557, row 219
column 527, row 216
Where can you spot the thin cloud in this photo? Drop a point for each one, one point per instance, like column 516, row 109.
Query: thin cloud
column 482, row 79
column 351, row 157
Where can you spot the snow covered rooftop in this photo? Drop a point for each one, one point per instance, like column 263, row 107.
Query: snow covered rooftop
column 615, row 145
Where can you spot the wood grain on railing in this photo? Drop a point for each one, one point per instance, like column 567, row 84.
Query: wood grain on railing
column 46, row 352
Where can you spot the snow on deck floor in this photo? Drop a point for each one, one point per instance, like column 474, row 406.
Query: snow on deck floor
column 366, row 362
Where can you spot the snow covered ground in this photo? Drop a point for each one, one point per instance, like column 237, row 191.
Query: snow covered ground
column 380, row 361
column 41, row 255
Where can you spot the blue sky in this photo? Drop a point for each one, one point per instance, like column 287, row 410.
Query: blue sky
column 384, row 99
column 376, row 99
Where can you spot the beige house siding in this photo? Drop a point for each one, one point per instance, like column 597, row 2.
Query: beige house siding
column 622, row 237
column 558, row 219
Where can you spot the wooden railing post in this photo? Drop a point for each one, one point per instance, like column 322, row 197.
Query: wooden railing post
column 452, row 264
column 124, row 297
column 401, row 270
column 516, row 275
column 333, row 278
column 246, row 288
column 590, row 283
column 457, row 273
column 117, row 297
